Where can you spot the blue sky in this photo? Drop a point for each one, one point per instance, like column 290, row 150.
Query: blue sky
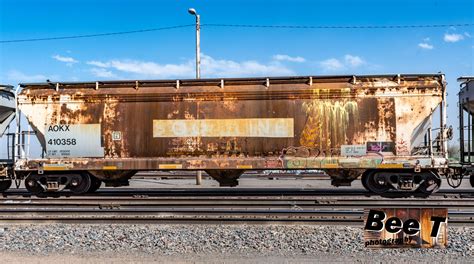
column 230, row 52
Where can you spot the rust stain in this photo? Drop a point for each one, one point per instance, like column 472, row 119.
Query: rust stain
column 111, row 115
column 328, row 123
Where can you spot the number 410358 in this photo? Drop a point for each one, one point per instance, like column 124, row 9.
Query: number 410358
column 62, row 141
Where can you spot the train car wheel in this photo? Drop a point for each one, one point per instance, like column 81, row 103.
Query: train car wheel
column 95, row 184
column 471, row 179
column 5, row 183
column 370, row 182
column 363, row 178
column 80, row 183
column 431, row 183
column 33, row 185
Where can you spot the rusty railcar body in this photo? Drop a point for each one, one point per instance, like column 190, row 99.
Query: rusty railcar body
column 375, row 126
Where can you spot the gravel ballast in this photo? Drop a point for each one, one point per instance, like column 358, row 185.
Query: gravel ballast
column 229, row 242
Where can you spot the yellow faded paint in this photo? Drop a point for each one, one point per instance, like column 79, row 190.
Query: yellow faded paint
column 109, row 167
column 329, row 166
column 170, row 166
column 390, row 166
column 55, row 167
column 243, row 127
column 244, row 166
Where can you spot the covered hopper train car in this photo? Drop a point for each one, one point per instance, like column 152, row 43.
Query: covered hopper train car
column 466, row 126
column 378, row 127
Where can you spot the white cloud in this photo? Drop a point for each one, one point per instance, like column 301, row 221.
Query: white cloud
column 453, row 37
column 467, row 34
column 147, row 68
column 332, row 64
column 102, row 73
column 213, row 67
column 426, row 39
column 347, row 62
column 283, row 57
column 18, row 76
column 98, row 64
column 425, row 46
column 210, row 67
column 68, row 60
column 353, row 61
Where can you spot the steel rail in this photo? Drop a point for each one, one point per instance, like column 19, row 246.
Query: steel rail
column 234, row 202
column 127, row 192
column 209, row 206
column 203, row 216
column 211, row 209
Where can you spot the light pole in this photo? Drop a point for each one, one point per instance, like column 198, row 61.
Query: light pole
column 193, row 12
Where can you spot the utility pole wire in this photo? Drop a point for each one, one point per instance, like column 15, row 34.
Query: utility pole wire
column 240, row 26
column 341, row 27
column 96, row 35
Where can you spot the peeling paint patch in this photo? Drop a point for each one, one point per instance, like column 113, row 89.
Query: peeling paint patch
column 244, row 127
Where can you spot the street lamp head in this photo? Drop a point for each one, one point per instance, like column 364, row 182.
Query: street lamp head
column 192, row 11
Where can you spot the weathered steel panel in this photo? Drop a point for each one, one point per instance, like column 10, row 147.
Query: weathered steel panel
column 245, row 120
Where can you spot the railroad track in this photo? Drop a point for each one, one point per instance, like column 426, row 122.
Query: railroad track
column 116, row 207
column 222, row 191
